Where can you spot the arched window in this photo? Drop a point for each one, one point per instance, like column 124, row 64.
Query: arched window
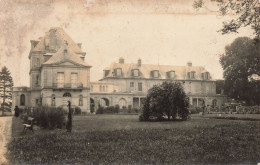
column 80, row 100
column 122, row 103
column 53, row 100
column 66, row 94
column 22, row 99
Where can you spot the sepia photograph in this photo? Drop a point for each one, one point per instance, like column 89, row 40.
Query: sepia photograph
column 129, row 82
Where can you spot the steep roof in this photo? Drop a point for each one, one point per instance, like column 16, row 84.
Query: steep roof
column 66, row 54
column 55, row 38
column 181, row 72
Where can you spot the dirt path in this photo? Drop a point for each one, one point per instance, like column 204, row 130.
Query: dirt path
column 5, row 136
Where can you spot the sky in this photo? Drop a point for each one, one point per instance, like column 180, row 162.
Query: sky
column 165, row 32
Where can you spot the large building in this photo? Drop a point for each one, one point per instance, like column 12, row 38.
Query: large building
column 127, row 83
column 58, row 73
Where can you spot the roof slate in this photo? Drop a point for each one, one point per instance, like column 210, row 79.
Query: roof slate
column 56, row 38
column 146, row 69
column 60, row 56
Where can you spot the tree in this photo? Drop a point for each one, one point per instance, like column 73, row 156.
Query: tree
column 247, row 14
column 6, row 84
column 169, row 99
column 220, row 85
column 241, row 64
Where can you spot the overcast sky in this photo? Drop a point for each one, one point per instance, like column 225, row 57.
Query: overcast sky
column 168, row 32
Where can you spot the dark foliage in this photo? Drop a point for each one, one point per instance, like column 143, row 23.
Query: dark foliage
column 241, row 64
column 45, row 117
column 247, row 12
column 220, row 86
column 168, row 99
column 77, row 110
column 108, row 110
column 6, row 84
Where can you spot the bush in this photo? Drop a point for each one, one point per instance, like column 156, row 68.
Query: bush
column 195, row 110
column 48, row 117
column 92, row 109
column 168, row 99
column 77, row 110
column 108, row 110
column 116, row 108
column 141, row 117
column 100, row 110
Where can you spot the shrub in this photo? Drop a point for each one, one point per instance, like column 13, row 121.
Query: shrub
column 168, row 99
column 116, row 108
column 77, row 110
column 141, row 117
column 92, row 109
column 100, row 110
column 48, row 117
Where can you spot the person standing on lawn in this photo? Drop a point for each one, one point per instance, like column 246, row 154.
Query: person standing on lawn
column 16, row 111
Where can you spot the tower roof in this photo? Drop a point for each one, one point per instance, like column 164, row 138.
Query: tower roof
column 66, row 54
column 54, row 39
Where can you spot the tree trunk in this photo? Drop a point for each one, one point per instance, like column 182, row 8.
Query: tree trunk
column 3, row 108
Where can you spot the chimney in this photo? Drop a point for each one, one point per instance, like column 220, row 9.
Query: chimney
column 189, row 63
column 79, row 45
column 121, row 60
column 139, row 62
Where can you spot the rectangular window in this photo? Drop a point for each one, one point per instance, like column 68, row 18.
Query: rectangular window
column 132, row 84
column 156, row 74
column 172, row 74
column 206, row 75
column 60, row 79
column 188, row 75
column 34, row 62
column 106, row 72
column 202, row 76
column 74, row 80
column 45, row 77
column 37, row 80
column 38, row 62
column 192, row 75
column 118, row 72
column 47, row 43
column 140, row 86
column 136, row 72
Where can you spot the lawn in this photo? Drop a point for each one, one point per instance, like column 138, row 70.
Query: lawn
column 122, row 139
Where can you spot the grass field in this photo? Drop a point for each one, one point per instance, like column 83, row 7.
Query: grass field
column 122, row 139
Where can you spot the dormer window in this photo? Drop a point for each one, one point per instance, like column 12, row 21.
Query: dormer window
column 155, row 74
column 171, row 74
column 118, row 72
column 191, row 75
column 205, row 76
column 135, row 72
column 106, row 72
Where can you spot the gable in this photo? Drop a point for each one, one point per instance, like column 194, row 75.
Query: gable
column 67, row 64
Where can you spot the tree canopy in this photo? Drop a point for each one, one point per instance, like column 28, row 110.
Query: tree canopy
column 247, row 14
column 6, row 84
column 168, row 99
column 241, row 64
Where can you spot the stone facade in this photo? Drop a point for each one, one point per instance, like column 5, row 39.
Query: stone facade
column 134, row 80
column 58, row 73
